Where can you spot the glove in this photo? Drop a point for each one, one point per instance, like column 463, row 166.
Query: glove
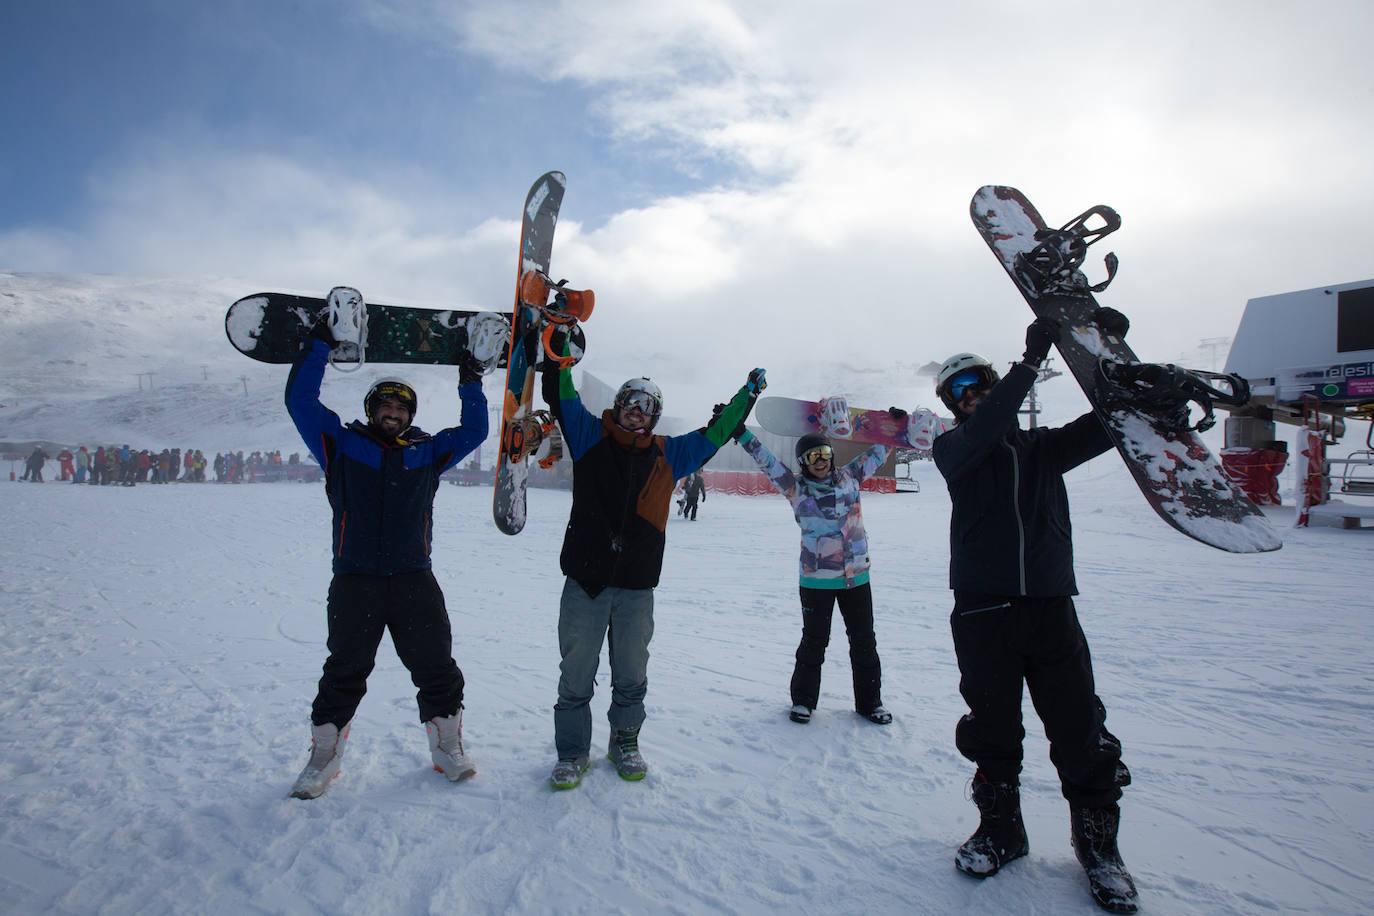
column 469, row 369
column 896, row 413
column 1042, row 334
column 320, row 330
column 1112, row 322
column 756, row 382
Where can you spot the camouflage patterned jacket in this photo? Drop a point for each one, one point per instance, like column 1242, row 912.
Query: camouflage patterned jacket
column 834, row 545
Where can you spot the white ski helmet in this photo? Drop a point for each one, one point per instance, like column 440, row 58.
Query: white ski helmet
column 643, row 393
column 957, row 364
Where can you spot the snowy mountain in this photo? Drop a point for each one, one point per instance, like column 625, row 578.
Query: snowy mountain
column 106, row 359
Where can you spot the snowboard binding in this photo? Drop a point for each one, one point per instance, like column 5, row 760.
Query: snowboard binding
column 487, row 336
column 1163, row 392
column 576, row 344
column 834, row 418
column 1053, row 265
column 535, row 433
column 569, row 306
column 346, row 321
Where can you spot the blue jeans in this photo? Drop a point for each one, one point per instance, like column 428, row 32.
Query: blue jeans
column 623, row 617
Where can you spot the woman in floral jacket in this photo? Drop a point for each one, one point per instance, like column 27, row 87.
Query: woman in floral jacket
column 834, row 566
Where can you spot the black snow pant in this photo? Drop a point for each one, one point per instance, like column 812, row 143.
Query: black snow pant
column 1002, row 642
column 818, row 608
column 411, row 606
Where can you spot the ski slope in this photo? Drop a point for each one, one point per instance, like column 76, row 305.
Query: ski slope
column 160, row 648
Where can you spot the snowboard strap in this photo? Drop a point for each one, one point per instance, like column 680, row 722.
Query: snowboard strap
column 1053, row 265
column 347, row 322
column 1164, row 391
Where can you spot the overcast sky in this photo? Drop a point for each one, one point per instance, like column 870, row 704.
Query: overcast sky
column 750, row 182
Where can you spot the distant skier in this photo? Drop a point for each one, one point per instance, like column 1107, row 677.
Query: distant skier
column 83, row 464
column 834, row 566
column 1011, row 568
column 33, row 468
column 381, row 477
column 694, row 488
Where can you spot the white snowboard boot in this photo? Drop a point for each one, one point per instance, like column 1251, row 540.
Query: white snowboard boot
column 326, row 751
column 446, row 746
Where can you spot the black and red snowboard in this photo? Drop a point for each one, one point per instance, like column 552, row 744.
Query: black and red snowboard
column 1145, row 406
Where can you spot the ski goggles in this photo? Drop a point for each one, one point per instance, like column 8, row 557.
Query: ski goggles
column 819, row 453
column 969, row 378
column 642, row 401
column 399, row 392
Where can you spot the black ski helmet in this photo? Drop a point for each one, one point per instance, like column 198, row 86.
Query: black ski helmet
column 809, row 441
column 390, row 388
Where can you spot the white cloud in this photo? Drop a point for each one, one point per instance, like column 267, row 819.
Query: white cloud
column 1230, row 136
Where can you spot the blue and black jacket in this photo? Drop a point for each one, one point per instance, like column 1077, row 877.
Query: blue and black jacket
column 382, row 492
column 622, row 487
column 1009, row 531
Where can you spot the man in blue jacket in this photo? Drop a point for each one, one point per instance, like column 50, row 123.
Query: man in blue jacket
column 1011, row 568
column 381, row 476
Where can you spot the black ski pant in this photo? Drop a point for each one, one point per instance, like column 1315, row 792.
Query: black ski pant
column 411, row 606
column 1002, row 642
column 818, row 608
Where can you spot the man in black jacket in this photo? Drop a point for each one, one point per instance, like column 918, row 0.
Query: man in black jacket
column 1011, row 569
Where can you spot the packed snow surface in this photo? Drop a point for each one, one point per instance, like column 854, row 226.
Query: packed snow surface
column 160, row 647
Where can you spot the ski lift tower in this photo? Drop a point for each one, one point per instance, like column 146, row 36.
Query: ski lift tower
column 1043, row 374
column 1213, row 346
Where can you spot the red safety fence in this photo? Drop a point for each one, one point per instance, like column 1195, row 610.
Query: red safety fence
column 1256, row 471
column 752, row 483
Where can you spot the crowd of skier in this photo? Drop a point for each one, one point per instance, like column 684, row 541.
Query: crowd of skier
column 123, row 465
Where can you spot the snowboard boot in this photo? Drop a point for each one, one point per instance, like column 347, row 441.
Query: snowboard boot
column 878, row 715
column 624, row 753
column 800, row 713
column 567, row 772
column 326, row 750
column 1094, row 842
column 446, row 746
column 1000, row 837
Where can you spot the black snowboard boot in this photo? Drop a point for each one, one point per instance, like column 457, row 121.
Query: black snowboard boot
column 1094, row 842
column 1000, row 837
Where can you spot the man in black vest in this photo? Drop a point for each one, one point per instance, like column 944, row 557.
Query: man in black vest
column 623, row 479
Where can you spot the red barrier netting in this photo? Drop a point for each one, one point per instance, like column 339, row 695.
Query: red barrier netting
column 1256, row 471
column 752, row 483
